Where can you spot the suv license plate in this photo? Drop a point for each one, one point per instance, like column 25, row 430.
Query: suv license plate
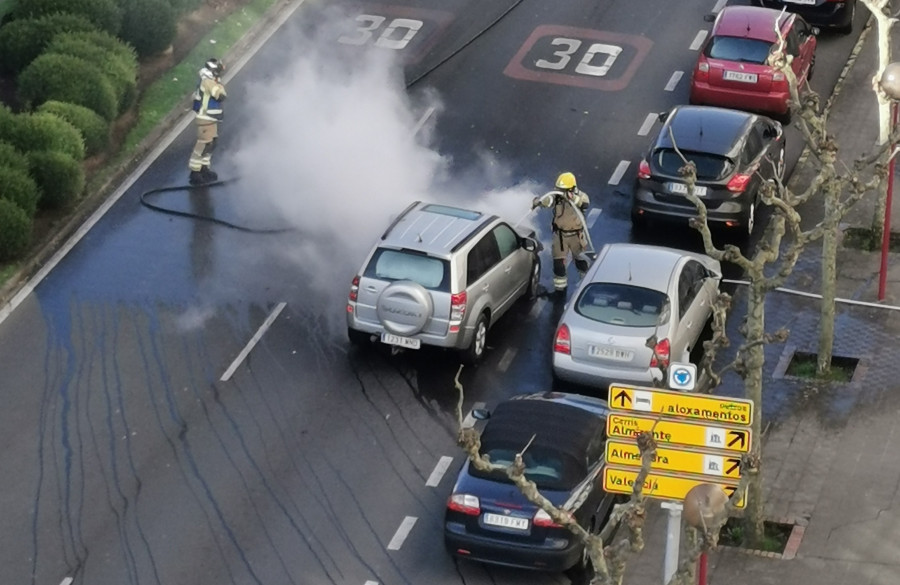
column 506, row 521
column 407, row 342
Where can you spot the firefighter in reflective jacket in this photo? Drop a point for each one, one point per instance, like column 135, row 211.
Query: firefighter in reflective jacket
column 208, row 100
column 568, row 226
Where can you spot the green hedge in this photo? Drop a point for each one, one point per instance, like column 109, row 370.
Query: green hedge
column 119, row 67
column 11, row 157
column 94, row 129
column 15, row 230
column 149, row 26
column 68, row 79
column 59, row 177
column 20, row 188
column 46, row 131
column 105, row 14
column 21, row 41
column 9, row 123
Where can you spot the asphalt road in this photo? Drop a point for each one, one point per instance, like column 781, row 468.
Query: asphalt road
column 180, row 402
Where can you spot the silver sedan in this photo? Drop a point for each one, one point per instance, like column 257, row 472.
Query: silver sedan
column 631, row 294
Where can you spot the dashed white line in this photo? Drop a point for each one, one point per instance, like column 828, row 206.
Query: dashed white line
column 720, row 4
column 698, row 40
column 649, row 121
column 620, row 170
column 439, row 470
column 402, row 532
column 673, row 81
column 253, row 341
column 371, row 582
column 423, row 119
column 536, row 309
column 506, row 359
column 469, row 421
column 592, row 216
column 67, row 581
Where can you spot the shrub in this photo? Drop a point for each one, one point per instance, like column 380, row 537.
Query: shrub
column 12, row 158
column 94, row 129
column 68, row 79
column 21, row 41
column 149, row 26
column 8, row 122
column 104, row 14
column 181, row 6
column 120, row 70
column 46, row 131
column 59, row 177
column 15, row 230
column 19, row 188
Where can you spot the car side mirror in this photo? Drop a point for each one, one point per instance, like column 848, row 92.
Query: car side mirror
column 709, row 18
column 814, row 31
column 662, row 116
column 529, row 244
column 481, row 413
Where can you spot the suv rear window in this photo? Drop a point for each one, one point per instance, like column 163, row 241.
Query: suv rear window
column 619, row 304
column 739, row 49
column 710, row 167
column 388, row 264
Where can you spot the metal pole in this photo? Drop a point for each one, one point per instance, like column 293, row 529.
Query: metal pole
column 701, row 570
column 673, row 540
column 886, row 232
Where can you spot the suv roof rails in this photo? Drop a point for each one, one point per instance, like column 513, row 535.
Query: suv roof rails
column 398, row 218
column 473, row 233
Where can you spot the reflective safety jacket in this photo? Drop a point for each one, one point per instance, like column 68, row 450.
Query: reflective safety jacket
column 565, row 218
column 208, row 99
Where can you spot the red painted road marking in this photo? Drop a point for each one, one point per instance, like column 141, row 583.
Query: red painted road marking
column 568, row 49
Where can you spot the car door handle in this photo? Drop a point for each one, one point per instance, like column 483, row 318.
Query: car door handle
column 689, row 324
column 371, row 289
column 508, row 269
column 486, row 287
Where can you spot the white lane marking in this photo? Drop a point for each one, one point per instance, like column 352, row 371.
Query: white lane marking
column 673, row 81
column 506, row 359
column 439, row 470
column 720, row 4
column 698, row 40
column 423, row 119
column 370, row 582
column 253, row 341
column 67, row 581
column 536, row 309
column 620, row 170
column 148, row 160
column 592, row 216
column 469, row 421
column 402, row 532
column 649, row 121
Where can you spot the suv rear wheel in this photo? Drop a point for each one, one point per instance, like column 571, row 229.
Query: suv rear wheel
column 475, row 352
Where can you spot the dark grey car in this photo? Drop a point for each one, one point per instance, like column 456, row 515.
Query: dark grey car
column 735, row 154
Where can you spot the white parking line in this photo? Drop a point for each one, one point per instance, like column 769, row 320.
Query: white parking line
column 720, row 4
column 402, row 532
column 673, row 81
column 469, row 421
column 620, row 170
column 592, row 216
column 536, row 309
column 371, row 583
column 67, row 581
column 506, row 359
column 649, row 121
column 253, row 341
column 698, row 40
column 423, row 119
column 439, row 470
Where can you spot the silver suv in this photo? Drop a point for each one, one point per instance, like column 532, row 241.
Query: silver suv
column 441, row 276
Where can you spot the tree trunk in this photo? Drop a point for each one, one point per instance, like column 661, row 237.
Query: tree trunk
column 756, row 330
column 829, row 279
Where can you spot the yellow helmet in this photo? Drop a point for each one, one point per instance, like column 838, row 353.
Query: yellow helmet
column 566, row 182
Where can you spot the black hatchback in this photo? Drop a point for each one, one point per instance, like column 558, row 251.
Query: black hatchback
column 489, row 520
column 835, row 14
column 735, row 154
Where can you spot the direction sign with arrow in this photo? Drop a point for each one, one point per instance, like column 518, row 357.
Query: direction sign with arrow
column 676, row 459
column 659, row 484
column 669, row 431
column 701, row 407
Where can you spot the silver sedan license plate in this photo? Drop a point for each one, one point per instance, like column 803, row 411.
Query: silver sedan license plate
column 407, row 342
column 505, row 521
column 610, row 353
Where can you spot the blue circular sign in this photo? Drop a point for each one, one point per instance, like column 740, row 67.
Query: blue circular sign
column 682, row 376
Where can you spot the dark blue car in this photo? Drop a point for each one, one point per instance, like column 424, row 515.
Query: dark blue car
column 834, row 14
column 489, row 520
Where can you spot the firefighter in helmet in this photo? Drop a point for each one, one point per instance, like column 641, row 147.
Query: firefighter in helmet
column 568, row 203
column 208, row 100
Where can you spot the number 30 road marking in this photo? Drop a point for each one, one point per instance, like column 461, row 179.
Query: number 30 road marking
column 369, row 25
column 584, row 66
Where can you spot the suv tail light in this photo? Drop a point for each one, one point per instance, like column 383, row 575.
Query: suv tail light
column 354, row 289
column 738, row 183
column 563, row 342
column 660, row 354
column 457, row 310
column 643, row 170
column 542, row 518
column 465, row 503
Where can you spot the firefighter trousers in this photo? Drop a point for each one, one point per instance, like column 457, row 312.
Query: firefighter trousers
column 565, row 243
column 207, row 135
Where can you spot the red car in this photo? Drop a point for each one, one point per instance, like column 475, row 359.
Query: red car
column 731, row 70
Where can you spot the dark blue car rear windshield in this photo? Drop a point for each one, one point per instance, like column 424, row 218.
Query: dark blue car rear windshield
column 710, row 167
column 548, row 468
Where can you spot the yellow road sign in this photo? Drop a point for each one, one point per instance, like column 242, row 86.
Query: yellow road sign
column 628, row 426
column 676, row 460
column 660, row 484
column 704, row 407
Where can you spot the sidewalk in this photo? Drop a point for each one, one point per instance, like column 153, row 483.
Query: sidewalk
column 830, row 463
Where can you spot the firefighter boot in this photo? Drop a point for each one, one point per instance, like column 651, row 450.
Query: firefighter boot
column 196, row 179
column 209, row 175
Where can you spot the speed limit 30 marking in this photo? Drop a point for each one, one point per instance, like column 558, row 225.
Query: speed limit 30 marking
column 414, row 31
column 579, row 57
